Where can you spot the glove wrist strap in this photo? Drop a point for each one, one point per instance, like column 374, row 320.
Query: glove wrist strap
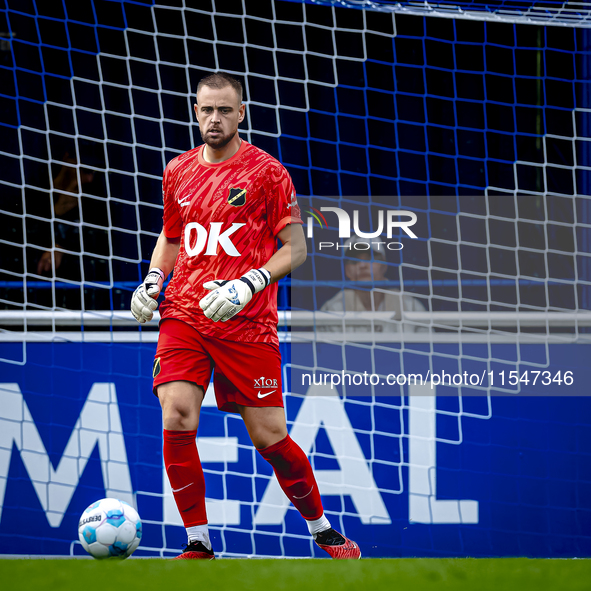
column 157, row 270
column 256, row 279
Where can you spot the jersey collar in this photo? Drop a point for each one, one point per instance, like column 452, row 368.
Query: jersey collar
column 243, row 145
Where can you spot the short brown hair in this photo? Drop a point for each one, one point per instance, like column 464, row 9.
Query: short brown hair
column 221, row 80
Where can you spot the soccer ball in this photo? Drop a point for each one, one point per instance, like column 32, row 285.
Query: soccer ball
column 110, row 528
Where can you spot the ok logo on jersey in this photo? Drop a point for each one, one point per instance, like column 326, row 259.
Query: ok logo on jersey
column 213, row 238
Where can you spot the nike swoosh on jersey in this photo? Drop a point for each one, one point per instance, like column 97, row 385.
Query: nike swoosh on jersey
column 185, row 202
column 182, row 487
column 267, row 394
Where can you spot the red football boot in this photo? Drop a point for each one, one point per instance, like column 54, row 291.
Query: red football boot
column 339, row 547
column 195, row 550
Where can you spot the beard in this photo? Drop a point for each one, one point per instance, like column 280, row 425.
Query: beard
column 216, row 143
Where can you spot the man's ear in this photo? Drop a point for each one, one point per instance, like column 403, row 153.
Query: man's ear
column 241, row 113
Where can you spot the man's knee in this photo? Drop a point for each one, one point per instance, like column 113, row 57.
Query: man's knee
column 265, row 437
column 181, row 404
column 266, row 426
column 179, row 418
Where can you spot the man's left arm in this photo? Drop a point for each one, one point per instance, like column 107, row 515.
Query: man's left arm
column 291, row 255
column 229, row 297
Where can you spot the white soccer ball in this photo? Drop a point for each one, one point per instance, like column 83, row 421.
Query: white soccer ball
column 110, row 528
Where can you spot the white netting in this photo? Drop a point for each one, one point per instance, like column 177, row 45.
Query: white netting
column 554, row 12
column 477, row 127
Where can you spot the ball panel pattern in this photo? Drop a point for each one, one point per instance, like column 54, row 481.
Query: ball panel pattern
column 126, row 532
column 118, row 549
column 106, row 534
column 89, row 534
column 98, row 550
column 115, row 517
column 110, row 528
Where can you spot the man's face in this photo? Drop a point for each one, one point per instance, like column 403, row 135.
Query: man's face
column 364, row 269
column 219, row 113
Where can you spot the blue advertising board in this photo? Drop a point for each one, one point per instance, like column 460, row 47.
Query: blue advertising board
column 430, row 474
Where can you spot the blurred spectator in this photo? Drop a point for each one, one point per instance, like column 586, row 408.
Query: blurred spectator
column 370, row 266
column 66, row 206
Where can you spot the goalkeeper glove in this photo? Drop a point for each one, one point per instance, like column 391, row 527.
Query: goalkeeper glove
column 229, row 297
column 143, row 301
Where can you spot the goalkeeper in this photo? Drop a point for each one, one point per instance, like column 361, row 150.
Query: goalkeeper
column 225, row 205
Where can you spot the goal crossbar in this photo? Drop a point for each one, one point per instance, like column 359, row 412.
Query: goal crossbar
column 301, row 319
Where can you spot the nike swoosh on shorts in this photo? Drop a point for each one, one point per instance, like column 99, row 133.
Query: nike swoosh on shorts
column 267, row 394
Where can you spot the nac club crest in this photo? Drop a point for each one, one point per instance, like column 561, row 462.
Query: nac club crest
column 237, row 197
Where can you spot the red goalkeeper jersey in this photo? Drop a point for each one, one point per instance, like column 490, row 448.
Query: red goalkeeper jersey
column 227, row 216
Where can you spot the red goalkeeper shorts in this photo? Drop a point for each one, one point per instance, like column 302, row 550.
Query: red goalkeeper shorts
column 248, row 374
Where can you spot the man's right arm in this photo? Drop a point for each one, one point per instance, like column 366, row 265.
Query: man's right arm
column 165, row 253
column 143, row 301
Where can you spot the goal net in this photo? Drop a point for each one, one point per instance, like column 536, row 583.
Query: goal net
column 441, row 156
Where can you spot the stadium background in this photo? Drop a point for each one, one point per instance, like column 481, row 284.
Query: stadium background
column 479, row 127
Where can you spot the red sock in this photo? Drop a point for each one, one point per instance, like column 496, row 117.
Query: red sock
column 185, row 474
column 295, row 476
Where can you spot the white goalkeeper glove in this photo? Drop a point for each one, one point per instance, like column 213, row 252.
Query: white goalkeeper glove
column 143, row 301
column 229, row 297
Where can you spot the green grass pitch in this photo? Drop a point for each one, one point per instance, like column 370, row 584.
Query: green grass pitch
column 404, row 574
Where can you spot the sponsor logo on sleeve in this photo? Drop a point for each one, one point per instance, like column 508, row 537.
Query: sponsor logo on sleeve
column 294, row 201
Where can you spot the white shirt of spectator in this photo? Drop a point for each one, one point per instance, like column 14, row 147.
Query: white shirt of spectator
column 348, row 300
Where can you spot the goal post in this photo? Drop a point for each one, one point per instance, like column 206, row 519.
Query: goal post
column 440, row 395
